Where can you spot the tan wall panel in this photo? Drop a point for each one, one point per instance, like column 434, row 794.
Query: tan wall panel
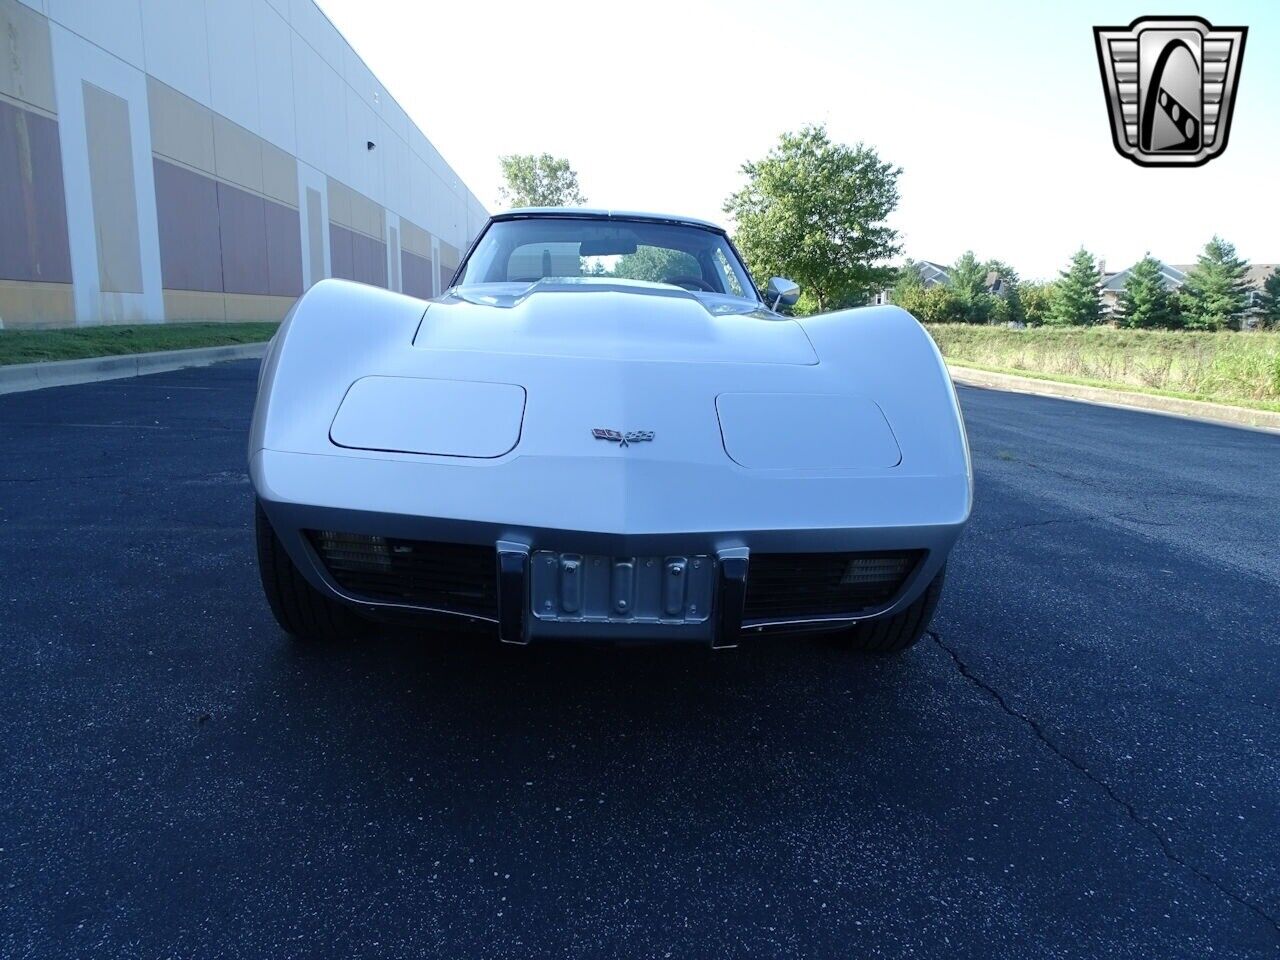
column 414, row 239
column 181, row 129
column 448, row 256
column 111, row 184
column 237, row 154
column 368, row 217
column 340, row 197
column 279, row 175
column 248, row 306
column 26, row 60
column 182, row 305
column 25, row 305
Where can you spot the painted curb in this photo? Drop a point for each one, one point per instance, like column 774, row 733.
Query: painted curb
column 1219, row 413
column 19, row 377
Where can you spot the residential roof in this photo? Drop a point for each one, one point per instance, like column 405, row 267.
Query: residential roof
column 1256, row 277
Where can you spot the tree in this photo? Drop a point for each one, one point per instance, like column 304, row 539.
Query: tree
column 1215, row 295
column 656, row 264
column 908, row 289
column 1146, row 301
column 1037, row 301
column 1268, row 301
column 1077, row 296
column 969, row 284
column 1007, row 305
column 814, row 211
column 538, row 181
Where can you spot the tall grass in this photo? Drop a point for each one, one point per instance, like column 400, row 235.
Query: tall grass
column 1224, row 367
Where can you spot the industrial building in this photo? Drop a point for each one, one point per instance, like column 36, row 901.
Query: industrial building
column 173, row 160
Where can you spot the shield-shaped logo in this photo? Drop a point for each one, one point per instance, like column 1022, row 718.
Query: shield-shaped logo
column 1170, row 84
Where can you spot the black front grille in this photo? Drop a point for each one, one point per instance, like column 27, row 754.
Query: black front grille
column 784, row 586
column 457, row 577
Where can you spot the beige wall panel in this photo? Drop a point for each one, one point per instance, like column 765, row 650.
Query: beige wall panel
column 340, row 197
column 248, row 306
column 181, row 129
column 237, row 154
column 29, row 306
column 180, row 305
column 414, row 239
column 111, row 184
column 26, row 61
column 448, row 256
column 279, row 175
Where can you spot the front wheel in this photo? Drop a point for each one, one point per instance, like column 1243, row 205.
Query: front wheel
column 898, row 632
column 300, row 609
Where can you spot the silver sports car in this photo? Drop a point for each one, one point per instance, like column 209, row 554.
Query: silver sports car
column 603, row 431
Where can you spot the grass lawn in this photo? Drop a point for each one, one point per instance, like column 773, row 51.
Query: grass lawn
column 1242, row 369
column 33, row 346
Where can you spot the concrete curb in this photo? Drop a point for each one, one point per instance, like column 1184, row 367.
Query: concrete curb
column 17, row 377
column 1169, row 406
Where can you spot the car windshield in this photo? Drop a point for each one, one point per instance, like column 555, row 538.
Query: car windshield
column 538, row 248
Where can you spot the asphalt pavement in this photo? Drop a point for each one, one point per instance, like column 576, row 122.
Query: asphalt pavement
column 1082, row 759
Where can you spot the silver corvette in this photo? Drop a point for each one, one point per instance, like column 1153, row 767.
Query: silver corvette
column 603, row 431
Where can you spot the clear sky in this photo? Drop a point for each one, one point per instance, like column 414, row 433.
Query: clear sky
column 994, row 111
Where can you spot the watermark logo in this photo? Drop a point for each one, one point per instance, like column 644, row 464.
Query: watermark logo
column 1171, row 86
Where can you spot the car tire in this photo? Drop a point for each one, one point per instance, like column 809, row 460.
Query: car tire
column 888, row 635
column 300, row 609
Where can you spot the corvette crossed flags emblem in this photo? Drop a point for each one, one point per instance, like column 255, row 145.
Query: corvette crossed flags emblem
column 621, row 438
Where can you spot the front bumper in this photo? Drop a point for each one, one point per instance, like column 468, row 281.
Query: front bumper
column 722, row 516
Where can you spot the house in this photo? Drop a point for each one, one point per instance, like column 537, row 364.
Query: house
column 1174, row 276
column 935, row 274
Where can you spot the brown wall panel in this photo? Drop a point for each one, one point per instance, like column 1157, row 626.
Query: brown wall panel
column 370, row 260
column 341, row 252
column 284, row 250
column 416, row 272
column 446, row 274
column 242, row 219
column 33, row 210
column 187, row 218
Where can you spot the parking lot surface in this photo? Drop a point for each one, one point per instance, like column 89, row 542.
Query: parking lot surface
column 1081, row 760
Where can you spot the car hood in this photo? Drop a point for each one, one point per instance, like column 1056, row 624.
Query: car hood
column 613, row 320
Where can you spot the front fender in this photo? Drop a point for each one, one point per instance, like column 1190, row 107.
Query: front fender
column 884, row 353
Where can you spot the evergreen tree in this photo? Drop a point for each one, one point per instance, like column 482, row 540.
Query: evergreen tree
column 1146, row 301
column 969, row 285
column 1215, row 295
column 1268, row 301
column 1077, row 296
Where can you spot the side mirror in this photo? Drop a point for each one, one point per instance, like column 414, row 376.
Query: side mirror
column 781, row 292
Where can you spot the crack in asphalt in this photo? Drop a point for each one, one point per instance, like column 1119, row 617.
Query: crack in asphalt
column 1129, row 809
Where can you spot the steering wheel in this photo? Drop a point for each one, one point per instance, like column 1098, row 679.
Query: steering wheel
column 687, row 281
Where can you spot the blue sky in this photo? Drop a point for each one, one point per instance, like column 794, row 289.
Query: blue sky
column 994, row 111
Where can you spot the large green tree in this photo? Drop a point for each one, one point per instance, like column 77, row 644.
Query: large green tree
column 969, row 285
column 538, row 180
column 908, row 288
column 814, row 211
column 1077, row 296
column 1146, row 300
column 1268, row 301
column 1215, row 295
column 1037, row 302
